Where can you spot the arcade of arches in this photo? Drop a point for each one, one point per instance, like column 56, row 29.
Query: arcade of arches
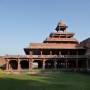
column 29, row 64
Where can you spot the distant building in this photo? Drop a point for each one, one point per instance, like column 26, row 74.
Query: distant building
column 58, row 51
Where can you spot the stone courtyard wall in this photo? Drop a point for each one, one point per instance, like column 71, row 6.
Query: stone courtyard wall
column 86, row 43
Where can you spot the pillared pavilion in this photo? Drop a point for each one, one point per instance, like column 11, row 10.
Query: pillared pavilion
column 60, row 50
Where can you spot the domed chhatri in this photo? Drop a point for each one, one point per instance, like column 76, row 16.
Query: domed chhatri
column 61, row 26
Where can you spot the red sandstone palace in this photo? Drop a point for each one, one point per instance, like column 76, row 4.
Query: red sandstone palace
column 59, row 51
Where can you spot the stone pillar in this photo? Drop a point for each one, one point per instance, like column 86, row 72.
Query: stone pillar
column 19, row 66
column 59, row 52
column 50, row 52
column 68, row 52
column 7, row 65
column 43, row 63
column 41, row 52
column 30, row 64
column 77, row 61
column 87, row 65
column 66, row 63
column 55, row 64
column 30, row 53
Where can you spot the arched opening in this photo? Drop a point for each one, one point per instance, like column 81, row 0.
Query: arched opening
column 37, row 64
column 24, row 64
column 13, row 64
column 49, row 64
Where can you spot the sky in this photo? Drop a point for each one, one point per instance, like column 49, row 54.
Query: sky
column 28, row 21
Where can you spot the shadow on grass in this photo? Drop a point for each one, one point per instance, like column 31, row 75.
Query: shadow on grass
column 16, row 84
column 84, row 73
column 51, row 81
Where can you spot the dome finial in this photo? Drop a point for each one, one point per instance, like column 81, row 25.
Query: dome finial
column 61, row 26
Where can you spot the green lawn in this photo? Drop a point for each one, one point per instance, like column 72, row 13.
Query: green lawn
column 48, row 81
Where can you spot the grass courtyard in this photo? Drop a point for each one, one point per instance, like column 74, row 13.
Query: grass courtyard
column 45, row 81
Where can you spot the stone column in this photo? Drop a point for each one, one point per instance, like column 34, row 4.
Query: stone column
column 68, row 52
column 66, row 63
column 30, row 53
column 77, row 61
column 19, row 66
column 87, row 65
column 59, row 52
column 43, row 63
column 30, row 64
column 7, row 64
column 9, row 67
column 50, row 52
column 55, row 64
column 41, row 52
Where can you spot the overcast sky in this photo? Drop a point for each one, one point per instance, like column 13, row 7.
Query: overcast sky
column 25, row 21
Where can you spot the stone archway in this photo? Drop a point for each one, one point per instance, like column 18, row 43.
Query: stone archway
column 38, row 63
column 24, row 64
column 13, row 64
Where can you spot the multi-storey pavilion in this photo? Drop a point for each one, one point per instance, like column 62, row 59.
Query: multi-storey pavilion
column 58, row 51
